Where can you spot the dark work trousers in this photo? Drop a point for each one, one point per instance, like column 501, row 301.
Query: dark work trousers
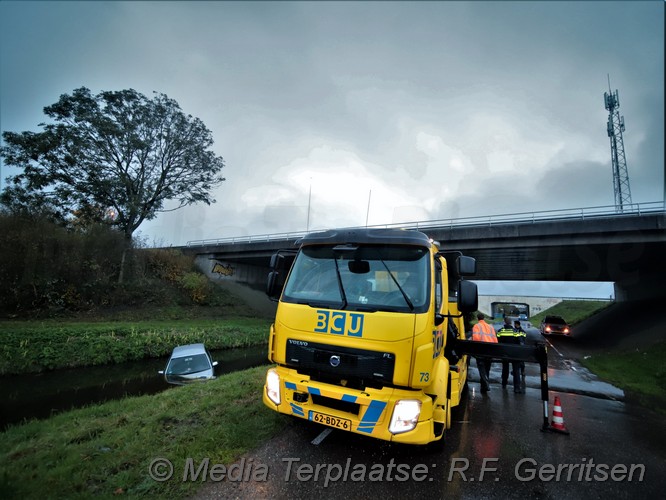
column 517, row 369
column 483, row 364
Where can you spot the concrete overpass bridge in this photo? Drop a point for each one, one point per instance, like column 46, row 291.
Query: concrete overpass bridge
column 583, row 244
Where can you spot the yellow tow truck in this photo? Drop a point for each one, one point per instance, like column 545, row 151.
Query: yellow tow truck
column 361, row 330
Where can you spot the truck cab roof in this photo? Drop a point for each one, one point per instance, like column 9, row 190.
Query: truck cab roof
column 367, row 236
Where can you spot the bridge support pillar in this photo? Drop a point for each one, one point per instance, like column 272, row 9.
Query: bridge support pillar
column 647, row 288
column 244, row 281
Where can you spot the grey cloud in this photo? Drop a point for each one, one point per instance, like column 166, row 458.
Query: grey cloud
column 276, row 80
column 584, row 180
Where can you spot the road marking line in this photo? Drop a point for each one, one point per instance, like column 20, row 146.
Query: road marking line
column 551, row 345
column 321, row 436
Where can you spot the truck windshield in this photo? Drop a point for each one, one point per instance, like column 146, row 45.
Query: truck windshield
column 371, row 278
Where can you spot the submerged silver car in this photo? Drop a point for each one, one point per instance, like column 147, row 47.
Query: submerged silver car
column 189, row 363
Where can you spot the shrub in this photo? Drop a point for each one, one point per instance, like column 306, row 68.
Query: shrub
column 197, row 285
column 47, row 269
column 45, row 266
column 170, row 265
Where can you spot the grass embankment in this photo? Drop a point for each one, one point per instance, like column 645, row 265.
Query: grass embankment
column 106, row 450
column 35, row 346
column 641, row 373
column 573, row 311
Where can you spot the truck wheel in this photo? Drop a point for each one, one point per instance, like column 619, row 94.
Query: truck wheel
column 464, row 391
column 437, row 446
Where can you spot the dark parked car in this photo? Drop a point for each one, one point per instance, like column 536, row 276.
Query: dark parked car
column 189, row 363
column 555, row 325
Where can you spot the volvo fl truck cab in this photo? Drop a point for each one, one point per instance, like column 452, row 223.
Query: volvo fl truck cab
column 359, row 340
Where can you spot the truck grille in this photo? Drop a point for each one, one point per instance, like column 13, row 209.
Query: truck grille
column 336, row 404
column 345, row 362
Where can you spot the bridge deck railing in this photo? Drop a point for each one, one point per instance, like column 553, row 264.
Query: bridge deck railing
column 490, row 220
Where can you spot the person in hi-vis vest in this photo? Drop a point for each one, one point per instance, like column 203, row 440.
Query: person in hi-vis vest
column 483, row 332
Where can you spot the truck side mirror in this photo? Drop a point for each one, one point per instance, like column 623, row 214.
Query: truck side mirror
column 277, row 261
column 280, row 265
column 272, row 286
column 468, row 296
column 466, row 265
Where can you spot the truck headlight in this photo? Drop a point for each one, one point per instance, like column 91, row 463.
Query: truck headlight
column 273, row 386
column 405, row 416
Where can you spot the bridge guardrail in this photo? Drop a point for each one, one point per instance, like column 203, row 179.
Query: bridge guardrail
column 490, row 220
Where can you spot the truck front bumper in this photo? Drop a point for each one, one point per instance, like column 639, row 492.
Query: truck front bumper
column 369, row 412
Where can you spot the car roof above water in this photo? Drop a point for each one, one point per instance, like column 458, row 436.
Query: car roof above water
column 188, row 350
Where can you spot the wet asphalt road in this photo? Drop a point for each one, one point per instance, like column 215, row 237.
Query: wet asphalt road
column 495, row 449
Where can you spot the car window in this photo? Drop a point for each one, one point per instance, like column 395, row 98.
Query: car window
column 188, row 364
column 555, row 320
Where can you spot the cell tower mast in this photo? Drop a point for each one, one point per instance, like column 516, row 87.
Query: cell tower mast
column 618, row 159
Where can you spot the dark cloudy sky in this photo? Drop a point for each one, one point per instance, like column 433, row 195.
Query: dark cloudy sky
column 440, row 109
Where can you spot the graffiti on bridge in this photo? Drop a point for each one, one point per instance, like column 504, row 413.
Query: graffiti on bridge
column 223, row 269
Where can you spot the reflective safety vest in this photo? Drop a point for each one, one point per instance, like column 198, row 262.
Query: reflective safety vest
column 483, row 332
column 507, row 331
column 509, row 335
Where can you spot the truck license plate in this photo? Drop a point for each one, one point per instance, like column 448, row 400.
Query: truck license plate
column 338, row 423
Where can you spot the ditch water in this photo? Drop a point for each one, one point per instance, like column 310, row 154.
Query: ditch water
column 41, row 395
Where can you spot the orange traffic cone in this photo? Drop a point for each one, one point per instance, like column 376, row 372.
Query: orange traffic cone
column 557, row 423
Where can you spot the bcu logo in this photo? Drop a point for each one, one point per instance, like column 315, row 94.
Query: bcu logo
column 339, row 323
